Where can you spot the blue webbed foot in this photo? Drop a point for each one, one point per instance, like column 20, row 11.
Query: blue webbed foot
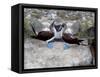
column 66, row 46
column 50, row 45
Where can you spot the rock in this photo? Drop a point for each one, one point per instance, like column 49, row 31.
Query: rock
column 91, row 31
column 72, row 27
column 37, row 25
column 38, row 55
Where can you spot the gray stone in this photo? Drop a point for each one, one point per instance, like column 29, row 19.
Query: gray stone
column 38, row 55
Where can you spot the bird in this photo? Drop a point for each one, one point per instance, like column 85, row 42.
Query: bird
column 68, row 38
column 54, row 34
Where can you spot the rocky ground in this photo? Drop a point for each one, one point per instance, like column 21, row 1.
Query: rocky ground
column 38, row 55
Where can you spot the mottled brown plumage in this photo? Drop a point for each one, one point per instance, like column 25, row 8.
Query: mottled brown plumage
column 71, row 40
column 45, row 35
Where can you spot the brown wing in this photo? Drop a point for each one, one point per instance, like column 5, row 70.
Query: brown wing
column 44, row 35
column 67, row 38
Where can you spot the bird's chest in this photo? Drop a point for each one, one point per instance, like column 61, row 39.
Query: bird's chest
column 58, row 34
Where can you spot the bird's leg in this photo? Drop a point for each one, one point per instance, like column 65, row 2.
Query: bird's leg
column 50, row 39
column 66, row 46
column 50, row 43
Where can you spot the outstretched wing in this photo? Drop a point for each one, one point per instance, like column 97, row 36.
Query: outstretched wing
column 68, row 38
column 45, row 35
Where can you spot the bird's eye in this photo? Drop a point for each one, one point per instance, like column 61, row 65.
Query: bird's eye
column 63, row 25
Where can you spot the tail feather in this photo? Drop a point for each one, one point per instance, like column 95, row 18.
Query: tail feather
column 33, row 30
column 79, row 41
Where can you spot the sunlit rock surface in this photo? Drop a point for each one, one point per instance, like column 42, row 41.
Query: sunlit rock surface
column 38, row 55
